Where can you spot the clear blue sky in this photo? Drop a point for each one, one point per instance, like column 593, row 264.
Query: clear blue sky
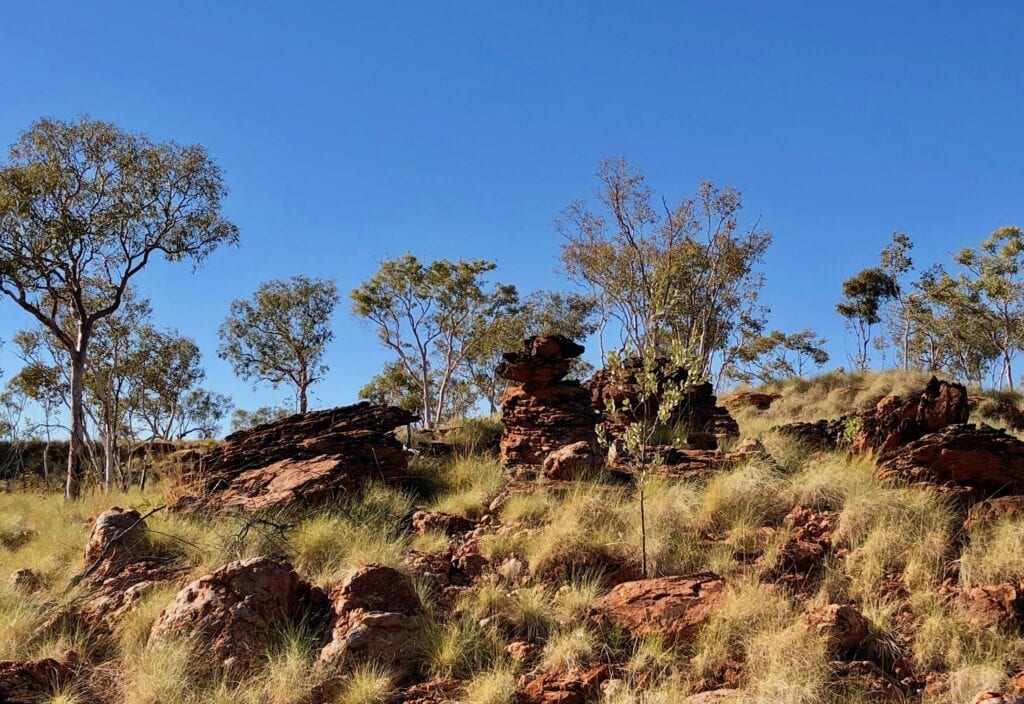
column 351, row 132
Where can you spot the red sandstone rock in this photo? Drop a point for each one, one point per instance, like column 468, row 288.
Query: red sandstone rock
column 896, row 421
column 985, row 513
column 35, row 680
column 25, row 581
column 302, row 460
column 674, row 608
column 843, row 627
column 821, row 435
column 543, row 413
column 118, row 538
column 447, row 523
column 750, row 399
column 865, row 678
column 565, row 687
column 571, row 462
column 234, row 612
column 374, row 618
column 994, row 605
column 980, row 458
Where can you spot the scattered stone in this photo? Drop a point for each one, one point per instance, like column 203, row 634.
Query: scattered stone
column 801, row 559
column 438, row 691
column 235, row 611
column 575, row 686
column 571, row 462
column 25, row 581
column 447, row 523
column 543, row 413
column 985, row 513
column 750, row 399
column 374, row 618
column 118, row 538
column 895, row 421
column 993, row 605
column 843, row 627
column 522, row 651
column 824, row 435
column 299, row 461
column 36, row 680
column 674, row 608
column 865, row 678
column 980, row 458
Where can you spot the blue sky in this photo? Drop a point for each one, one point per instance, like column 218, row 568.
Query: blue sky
column 351, row 132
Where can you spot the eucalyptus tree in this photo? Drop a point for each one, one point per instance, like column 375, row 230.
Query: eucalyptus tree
column 281, row 334
column 84, row 207
column 435, row 318
column 864, row 295
column 668, row 275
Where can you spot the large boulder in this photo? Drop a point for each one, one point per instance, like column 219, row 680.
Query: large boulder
column 233, row 613
column 843, row 627
column 984, row 459
column 118, row 538
column 303, row 460
column 541, row 413
column 672, row 608
column 896, row 421
column 374, row 618
column 750, row 399
column 820, row 435
column 570, row 462
column 990, row 511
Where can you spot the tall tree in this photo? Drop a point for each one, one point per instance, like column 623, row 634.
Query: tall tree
column 777, row 356
column 667, row 275
column 434, row 317
column 84, row 207
column 863, row 297
column 281, row 335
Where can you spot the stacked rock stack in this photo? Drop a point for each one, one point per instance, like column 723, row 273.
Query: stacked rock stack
column 542, row 412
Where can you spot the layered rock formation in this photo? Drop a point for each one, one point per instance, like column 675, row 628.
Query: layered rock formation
column 977, row 457
column 896, row 421
column 698, row 411
column 750, row 399
column 672, row 608
column 302, row 460
column 542, row 412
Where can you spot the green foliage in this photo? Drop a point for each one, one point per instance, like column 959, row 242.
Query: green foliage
column 864, row 295
column 280, row 336
column 437, row 318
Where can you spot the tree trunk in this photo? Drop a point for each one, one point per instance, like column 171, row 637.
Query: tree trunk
column 303, row 401
column 75, row 443
column 109, row 450
column 46, row 461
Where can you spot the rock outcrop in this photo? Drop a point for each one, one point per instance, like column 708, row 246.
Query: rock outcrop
column 571, row 462
column 118, row 538
column 574, row 686
column 897, row 421
column 620, row 388
column 672, row 608
column 985, row 513
column 233, row 613
column 820, row 435
column 981, row 458
column 302, row 460
column 374, row 612
column 36, row 680
column 843, row 627
column 993, row 605
column 750, row 399
column 542, row 412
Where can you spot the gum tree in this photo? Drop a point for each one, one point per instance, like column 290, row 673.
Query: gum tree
column 281, row 334
column 84, row 207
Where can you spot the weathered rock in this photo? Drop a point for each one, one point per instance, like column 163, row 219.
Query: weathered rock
column 522, row 651
column 843, row 627
column 437, row 691
column 701, row 441
column 544, row 360
column 374, row 618
column 865, row 678
column 36, row 680
column 750, row 399
column 543, row 413
column 302, row 460
column 25, row 581
column 673, row 608
column 571, row 462
column 820, row 435
column 993, row 605
column 896, row 421
column 447, row 523
column 1000, row 410
column 233, row 612
column 981, row 458
column 698, row 410
column 118, row 538
column 801, row 559
column 985, row 513
column 565, row 686
column 691, row 464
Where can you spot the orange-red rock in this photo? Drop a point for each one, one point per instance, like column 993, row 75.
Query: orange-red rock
column 673, row 608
